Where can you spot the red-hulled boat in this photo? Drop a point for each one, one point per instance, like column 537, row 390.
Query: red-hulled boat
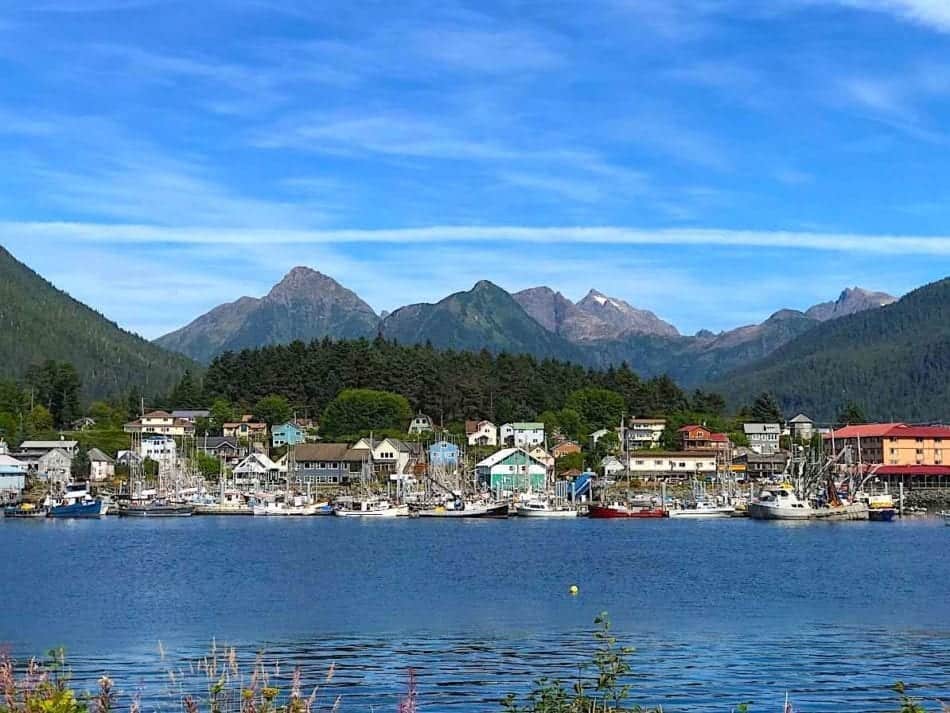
column 623, row 511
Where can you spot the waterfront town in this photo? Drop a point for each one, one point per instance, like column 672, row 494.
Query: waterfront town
column 175, row 461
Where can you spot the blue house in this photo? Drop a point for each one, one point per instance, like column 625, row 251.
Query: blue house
column 443, row 454
column 287, row 434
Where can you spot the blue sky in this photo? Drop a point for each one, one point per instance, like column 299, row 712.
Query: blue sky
column 711, row 160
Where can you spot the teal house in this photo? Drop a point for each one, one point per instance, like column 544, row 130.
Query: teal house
column 511, row 470
column 287, row 434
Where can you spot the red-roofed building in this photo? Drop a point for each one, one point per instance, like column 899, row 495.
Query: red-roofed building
column 914, row 476
column 699, row 438
column 894, row 444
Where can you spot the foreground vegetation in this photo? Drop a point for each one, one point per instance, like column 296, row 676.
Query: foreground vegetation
column 217, row 684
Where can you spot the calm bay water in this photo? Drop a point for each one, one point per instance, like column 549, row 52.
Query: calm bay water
column 720, row 611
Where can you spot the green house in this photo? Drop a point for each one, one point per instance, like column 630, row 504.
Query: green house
column 511, row 469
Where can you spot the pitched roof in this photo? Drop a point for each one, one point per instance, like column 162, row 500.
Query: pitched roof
column 157, row 414
column 97, row 456
column 474, row 426
column 310, row 452
column 801, row 418
column 773, row 428
column 499, row 456
column 47, row 445
column 713, row 436
column 215, row 442
column 526, row 426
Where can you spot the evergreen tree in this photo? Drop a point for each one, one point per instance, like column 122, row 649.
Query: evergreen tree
column 133, row 409
column 849, row 415
column 81, row 465
column 273, row 410
column 765, row 409
column 187, row 393
column 56, row 385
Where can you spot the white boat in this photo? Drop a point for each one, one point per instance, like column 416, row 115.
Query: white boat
column 372, row 507
column 782, row 503
column 946, row 517
column 231, row 502
column 703, row 509
column 536, row 507
column 296, row 506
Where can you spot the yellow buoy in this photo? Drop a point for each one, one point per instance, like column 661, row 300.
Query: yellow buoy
column 574, row 590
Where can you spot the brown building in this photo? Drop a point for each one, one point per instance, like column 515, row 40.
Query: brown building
column 565, row 448
column 699, row 438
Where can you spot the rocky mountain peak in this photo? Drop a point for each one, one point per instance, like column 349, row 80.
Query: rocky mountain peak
column 850, row 301
column 623, row 317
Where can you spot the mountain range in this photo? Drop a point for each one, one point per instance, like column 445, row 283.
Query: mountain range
column 39, row 322
column 891, row 357
column 597, row 331
column 893, row 362
column 304, row 305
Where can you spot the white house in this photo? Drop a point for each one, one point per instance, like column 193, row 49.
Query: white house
column 763, row 437
column 257, row 468
column 101, row 466
column 678, row 464
column 611, row 466
column 420, row 424
column 389, row 456
column 481, row 433
column 162, row 450
column 161, row 423
column 522, row 434
column 644, row 432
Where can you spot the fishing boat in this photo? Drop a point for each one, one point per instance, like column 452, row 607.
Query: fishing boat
column 77, row 502
column 619, row 510
column 230, row 503
column 294, row 506
column 700, row 506
column 782, row 503
column 458, row 507
column 881, row 507
column 539, row 507
column 159, row 507
column 371, row 507
column 702, row 509
column 25, row 511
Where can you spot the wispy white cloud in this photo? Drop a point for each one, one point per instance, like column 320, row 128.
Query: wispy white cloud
column 488, row 51
column 934, row 14
column 582, row 235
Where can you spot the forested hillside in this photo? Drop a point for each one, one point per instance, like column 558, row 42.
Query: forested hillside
column 894, row 362
column 39, row 322
column 447, row 385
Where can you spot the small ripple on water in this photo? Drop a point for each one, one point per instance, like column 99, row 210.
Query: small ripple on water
column 828, row 671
